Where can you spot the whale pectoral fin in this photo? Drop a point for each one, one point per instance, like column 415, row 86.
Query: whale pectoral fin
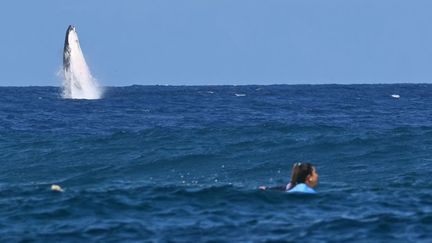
column 77, row 85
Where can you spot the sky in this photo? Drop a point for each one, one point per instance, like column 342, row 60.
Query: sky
column 219, row 42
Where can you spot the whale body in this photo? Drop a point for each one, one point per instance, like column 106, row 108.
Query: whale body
column 78, row 83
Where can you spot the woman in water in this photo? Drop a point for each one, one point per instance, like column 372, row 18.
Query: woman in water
column 303, row 179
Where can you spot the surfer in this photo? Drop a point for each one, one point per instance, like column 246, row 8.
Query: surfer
column 303, row 179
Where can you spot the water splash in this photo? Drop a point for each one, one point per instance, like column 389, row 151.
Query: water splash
column 78, row 83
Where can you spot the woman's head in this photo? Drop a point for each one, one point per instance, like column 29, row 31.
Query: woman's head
column 304, row 173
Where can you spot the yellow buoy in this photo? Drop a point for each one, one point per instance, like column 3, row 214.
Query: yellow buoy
column 56, row 188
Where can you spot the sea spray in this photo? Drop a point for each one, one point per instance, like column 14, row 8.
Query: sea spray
column 78, row 83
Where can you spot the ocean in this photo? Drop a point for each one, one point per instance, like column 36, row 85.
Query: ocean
column 183, row 163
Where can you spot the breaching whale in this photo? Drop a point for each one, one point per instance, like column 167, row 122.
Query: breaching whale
column 78, row 83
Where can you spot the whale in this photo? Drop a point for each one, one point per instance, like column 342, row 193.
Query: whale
column 78, row 82
column 67, row 49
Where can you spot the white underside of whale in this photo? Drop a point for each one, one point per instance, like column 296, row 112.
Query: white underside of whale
column 78, row 82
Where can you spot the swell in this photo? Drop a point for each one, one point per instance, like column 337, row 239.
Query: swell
column 225, row 154
column 133, row 211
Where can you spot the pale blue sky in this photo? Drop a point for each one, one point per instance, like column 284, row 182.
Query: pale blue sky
column 221, row 41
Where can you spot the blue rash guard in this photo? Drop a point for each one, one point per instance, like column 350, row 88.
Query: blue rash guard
column 302, row 188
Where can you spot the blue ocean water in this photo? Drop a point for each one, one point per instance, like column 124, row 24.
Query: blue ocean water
column 182, row 164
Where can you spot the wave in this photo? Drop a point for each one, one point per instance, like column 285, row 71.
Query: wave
column 132, row 211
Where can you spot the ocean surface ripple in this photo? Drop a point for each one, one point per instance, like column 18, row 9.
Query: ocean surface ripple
column 182, row 164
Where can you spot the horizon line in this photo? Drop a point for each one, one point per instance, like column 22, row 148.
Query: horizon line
column 199, row 85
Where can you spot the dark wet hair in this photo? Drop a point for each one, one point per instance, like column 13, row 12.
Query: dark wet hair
column 300, row 172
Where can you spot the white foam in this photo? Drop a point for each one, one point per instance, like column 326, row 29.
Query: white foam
column 240, row 95
column 396, row 96
column 78, row 83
